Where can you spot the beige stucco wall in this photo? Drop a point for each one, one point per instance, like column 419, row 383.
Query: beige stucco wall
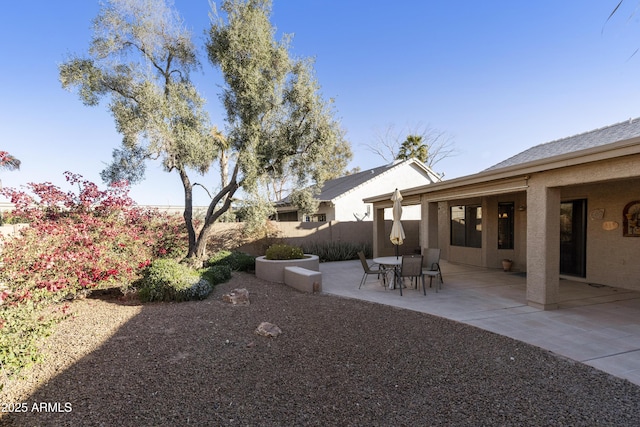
column 411, row 244
column 609, row 185
column 381, row 230
column 493, row 255
column 229, row 236
column 543, row 246
column 612, row 259
column 332, row 231
column 489, row 255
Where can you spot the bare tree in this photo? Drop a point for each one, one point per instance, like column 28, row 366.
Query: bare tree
column 389, row 143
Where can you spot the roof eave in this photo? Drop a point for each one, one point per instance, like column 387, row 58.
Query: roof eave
column 430, row 174
column 604, row 152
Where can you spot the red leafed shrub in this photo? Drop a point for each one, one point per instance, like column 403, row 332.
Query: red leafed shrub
column 75, row 241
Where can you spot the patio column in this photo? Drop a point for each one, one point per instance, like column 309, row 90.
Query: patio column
column 429, row 224
column 543, row 246
column 378, row 230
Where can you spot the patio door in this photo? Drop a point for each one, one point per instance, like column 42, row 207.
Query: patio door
column 573, row 237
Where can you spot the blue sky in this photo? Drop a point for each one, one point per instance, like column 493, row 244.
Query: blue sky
column 496, row 76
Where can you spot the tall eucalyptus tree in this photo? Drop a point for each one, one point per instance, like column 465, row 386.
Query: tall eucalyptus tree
column 277, row 121
column 140, row 58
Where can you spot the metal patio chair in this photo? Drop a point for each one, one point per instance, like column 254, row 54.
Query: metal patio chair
column 411, row 267
column 369, row 270
column 431, row 268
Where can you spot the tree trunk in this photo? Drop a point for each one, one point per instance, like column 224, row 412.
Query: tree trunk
column 224, row 167
column 200, row 244
column 188, row 210
column 200, row 248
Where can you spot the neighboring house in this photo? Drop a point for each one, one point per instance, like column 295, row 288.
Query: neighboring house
column 341, row 198
column 569, row 208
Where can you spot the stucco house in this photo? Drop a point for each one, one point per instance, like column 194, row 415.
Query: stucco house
column 569, row 208
column 341, row 198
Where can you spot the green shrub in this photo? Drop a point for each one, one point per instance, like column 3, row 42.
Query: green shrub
column 337, row 251
column 168, row 280
column 220, row 257
column 217, row 274
column 9, row 217
column 281, row 252
column 237, row 261
column 23, row 326
column 199, row 290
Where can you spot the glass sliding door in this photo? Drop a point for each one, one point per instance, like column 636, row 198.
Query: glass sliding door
column 506, row 213
column 573, row 238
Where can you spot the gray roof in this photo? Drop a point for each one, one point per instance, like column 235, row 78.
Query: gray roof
column 334, row 188
column 595, row 138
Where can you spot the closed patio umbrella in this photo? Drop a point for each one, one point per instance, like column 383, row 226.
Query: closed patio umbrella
column 397, row 232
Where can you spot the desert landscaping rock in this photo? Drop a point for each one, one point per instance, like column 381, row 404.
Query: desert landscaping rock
column 342, row 362
column 267, row 329
column 237, row 297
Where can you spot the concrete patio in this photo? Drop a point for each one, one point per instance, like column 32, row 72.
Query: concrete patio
column 596, row 325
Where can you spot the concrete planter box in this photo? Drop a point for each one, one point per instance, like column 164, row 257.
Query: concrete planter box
column 272, row 270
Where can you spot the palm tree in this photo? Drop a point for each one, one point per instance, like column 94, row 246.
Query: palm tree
column 414, row 146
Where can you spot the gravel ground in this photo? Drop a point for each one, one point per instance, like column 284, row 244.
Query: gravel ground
column 338, row 362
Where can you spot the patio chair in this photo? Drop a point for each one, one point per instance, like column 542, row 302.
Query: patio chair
column 431, row 268
column 411, row 267
column 369, row 270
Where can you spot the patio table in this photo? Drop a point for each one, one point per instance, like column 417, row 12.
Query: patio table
column 390, row 261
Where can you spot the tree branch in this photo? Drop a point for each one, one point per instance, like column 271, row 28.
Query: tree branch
column 205, row 188
column 228, row 190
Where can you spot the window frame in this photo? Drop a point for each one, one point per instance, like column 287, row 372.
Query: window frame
column 506, row 225
column 466, row 226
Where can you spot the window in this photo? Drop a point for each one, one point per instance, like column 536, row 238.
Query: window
column 288, row 216
column 466, row 226
column 316, row 218
column 505, row 225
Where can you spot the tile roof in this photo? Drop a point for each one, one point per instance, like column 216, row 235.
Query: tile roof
column 595, row 138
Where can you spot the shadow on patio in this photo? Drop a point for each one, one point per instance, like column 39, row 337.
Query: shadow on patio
column 597, row 325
